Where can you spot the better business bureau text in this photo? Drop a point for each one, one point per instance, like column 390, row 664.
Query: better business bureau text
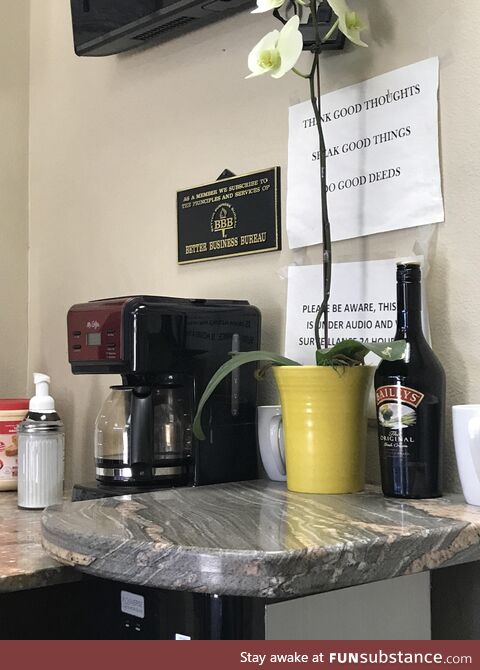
column 201, row 247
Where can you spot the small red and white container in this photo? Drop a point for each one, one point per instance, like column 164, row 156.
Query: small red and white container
column 12, row 412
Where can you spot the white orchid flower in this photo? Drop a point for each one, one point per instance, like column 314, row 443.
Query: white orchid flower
column 349, row 22
column 267, row 6
column 277, row 52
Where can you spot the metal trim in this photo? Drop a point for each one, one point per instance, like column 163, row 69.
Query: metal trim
column 178, row 470
column 128, row 473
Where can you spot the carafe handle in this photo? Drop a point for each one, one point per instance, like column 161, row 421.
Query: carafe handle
column 141, row 428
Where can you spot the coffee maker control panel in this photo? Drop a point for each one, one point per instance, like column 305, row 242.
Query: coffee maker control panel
column 94, row 333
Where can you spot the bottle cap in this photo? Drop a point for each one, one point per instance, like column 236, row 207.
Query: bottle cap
column 42, row 401
column 409, row 271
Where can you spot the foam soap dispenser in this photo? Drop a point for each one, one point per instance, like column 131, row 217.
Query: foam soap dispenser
column 41, row 445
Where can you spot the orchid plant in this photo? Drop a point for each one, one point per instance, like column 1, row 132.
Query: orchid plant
column 276, row 54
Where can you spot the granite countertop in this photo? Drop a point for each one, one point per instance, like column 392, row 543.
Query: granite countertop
column 258, row 539
column 23, row 562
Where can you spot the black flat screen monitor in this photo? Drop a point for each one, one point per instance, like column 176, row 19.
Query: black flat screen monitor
column 105, row 27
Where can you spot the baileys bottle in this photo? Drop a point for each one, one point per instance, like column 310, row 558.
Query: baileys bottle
column 410, row 399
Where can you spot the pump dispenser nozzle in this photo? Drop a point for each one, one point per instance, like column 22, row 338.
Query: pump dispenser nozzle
column 42, row 401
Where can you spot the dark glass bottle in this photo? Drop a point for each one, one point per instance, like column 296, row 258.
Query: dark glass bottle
column 410, row 399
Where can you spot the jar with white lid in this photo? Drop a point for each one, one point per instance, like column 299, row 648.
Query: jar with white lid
column 12, row 412
column 41, row 441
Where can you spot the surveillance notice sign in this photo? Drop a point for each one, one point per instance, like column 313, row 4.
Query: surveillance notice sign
column 230, row 217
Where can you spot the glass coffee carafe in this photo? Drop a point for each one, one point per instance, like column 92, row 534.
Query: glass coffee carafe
column 143, row 434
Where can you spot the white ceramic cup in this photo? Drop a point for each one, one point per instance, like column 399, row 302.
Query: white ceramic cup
column 270, row 441
column 466, row 436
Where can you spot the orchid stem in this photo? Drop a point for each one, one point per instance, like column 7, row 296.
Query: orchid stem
column 328, row 35
column 300, row 74
column 315, row 98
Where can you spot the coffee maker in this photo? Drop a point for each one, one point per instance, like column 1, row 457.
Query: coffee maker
column 166, row 350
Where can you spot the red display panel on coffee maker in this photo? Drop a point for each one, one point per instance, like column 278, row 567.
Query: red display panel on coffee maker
column 94, row 332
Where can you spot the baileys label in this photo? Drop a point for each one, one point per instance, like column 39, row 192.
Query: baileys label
column 397, row 419
column 401, row 394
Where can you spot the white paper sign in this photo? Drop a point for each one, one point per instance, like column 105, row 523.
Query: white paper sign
column 383, row 168
column 362, row 306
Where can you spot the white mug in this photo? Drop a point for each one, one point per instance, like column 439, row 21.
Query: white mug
column 466, row 436
column 270, row 441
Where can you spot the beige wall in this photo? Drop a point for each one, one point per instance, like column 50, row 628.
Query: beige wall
column 14, row 62
column 112, row 139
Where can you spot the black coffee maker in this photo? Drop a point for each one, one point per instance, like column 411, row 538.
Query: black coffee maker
column 166, row 350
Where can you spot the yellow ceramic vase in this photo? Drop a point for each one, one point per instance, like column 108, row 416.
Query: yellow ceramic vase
column 324, row 413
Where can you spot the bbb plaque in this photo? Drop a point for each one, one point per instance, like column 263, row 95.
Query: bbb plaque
column 230, row 217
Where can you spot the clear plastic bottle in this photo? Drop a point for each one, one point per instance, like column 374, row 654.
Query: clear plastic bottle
column 41, row 447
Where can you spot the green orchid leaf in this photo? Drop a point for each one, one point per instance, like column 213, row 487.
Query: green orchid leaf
column 228, row 367
column 389, row 351
column 351, row 352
